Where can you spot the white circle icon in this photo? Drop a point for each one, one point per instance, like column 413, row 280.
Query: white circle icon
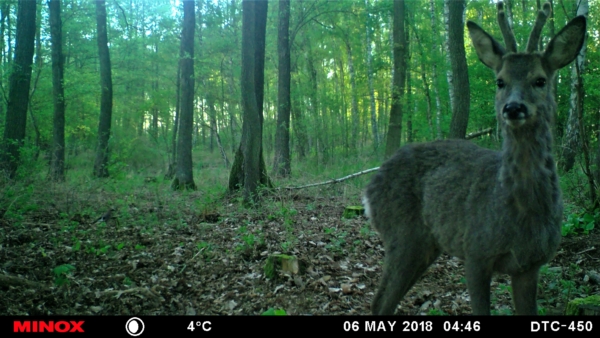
column 134, row 326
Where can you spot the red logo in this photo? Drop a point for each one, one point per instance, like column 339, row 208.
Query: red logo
column 47, row 326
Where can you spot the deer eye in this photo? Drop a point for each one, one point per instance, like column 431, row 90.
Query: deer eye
column 500, row 83
column 541, row 82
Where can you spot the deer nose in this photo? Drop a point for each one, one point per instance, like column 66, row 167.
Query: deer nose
column 515, row 111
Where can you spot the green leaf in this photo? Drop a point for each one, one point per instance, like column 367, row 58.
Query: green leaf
column 274, row 312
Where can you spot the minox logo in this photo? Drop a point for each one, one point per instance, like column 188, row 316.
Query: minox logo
column 61, row 326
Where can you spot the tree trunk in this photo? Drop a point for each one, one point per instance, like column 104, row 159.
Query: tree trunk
column 425, row 84
column 459, row 83
column 4, row 11
column 355, row 117
column 39, row 65
column 20, row 79
column 395, row 125
column 572, row 140
column 232, row 119
column 57, row 166
column 9, row 44
column 282, row 162
column 299, row 125
column 370, row 80
column 212, row 120
column 101, row 163
column 343, row 105
column 434, row 78
column 184, row 178
column 173, row 164
column 248, row 170
column 409, row 115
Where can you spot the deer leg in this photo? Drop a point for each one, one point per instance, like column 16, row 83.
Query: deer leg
column 524, row 289
column 403, row 265
column 479, row 276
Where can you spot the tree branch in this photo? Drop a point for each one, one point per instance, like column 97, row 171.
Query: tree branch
column 335, row 180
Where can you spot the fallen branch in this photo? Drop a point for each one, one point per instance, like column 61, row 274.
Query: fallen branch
column 335, row 180
column 479, row 133
column 586, row 250
column 140, row 290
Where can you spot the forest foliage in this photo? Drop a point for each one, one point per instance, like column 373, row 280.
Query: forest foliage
column 335, row 115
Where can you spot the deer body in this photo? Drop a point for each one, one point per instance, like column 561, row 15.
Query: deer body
column 499, row 211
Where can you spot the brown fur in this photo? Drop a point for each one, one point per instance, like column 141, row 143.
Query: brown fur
column 499, row 211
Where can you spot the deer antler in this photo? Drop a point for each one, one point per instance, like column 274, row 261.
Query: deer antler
column 534, row 38
column 509, row 38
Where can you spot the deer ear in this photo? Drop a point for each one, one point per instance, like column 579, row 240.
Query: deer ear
column 565, row 46
column 488, row 50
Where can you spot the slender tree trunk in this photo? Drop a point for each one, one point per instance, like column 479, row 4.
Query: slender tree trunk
column 173, row 164
column 355, row 117
column 20, row 80
column 184, row 178
column 4, row 11
column 344, row 109
column 459, row 81
column 314, row 102
column 39, row 65
column 427, row 100
column 9, row 44
column 395, row 126
column 425, row 83
column 232, row 86
column 446, row 47
column 409, row 115
column 212, row 119
column 390, row 97
column 434, row 78
column 101, row 163
column 299, row 126
column 370, row 80
column 282, row 162
column 57, row 167
column 573, row 139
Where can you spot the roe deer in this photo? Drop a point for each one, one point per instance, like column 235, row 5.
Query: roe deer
column 498, row 211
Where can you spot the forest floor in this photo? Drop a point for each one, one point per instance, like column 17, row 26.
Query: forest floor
column 171, row 253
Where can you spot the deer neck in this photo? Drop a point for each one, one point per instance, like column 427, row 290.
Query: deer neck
column 528, row 172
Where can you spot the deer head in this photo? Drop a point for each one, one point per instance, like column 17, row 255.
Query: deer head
column 524, row 79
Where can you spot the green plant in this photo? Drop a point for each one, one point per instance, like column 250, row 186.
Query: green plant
column 62, row 273
column 338, row 241
column 285, row 246
column 541, row 310
column 366, row 231
column 249, row 239
column 274, row 312
column 437, row 312
column 76, row 245
column 578, row 224
column 568, row 287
